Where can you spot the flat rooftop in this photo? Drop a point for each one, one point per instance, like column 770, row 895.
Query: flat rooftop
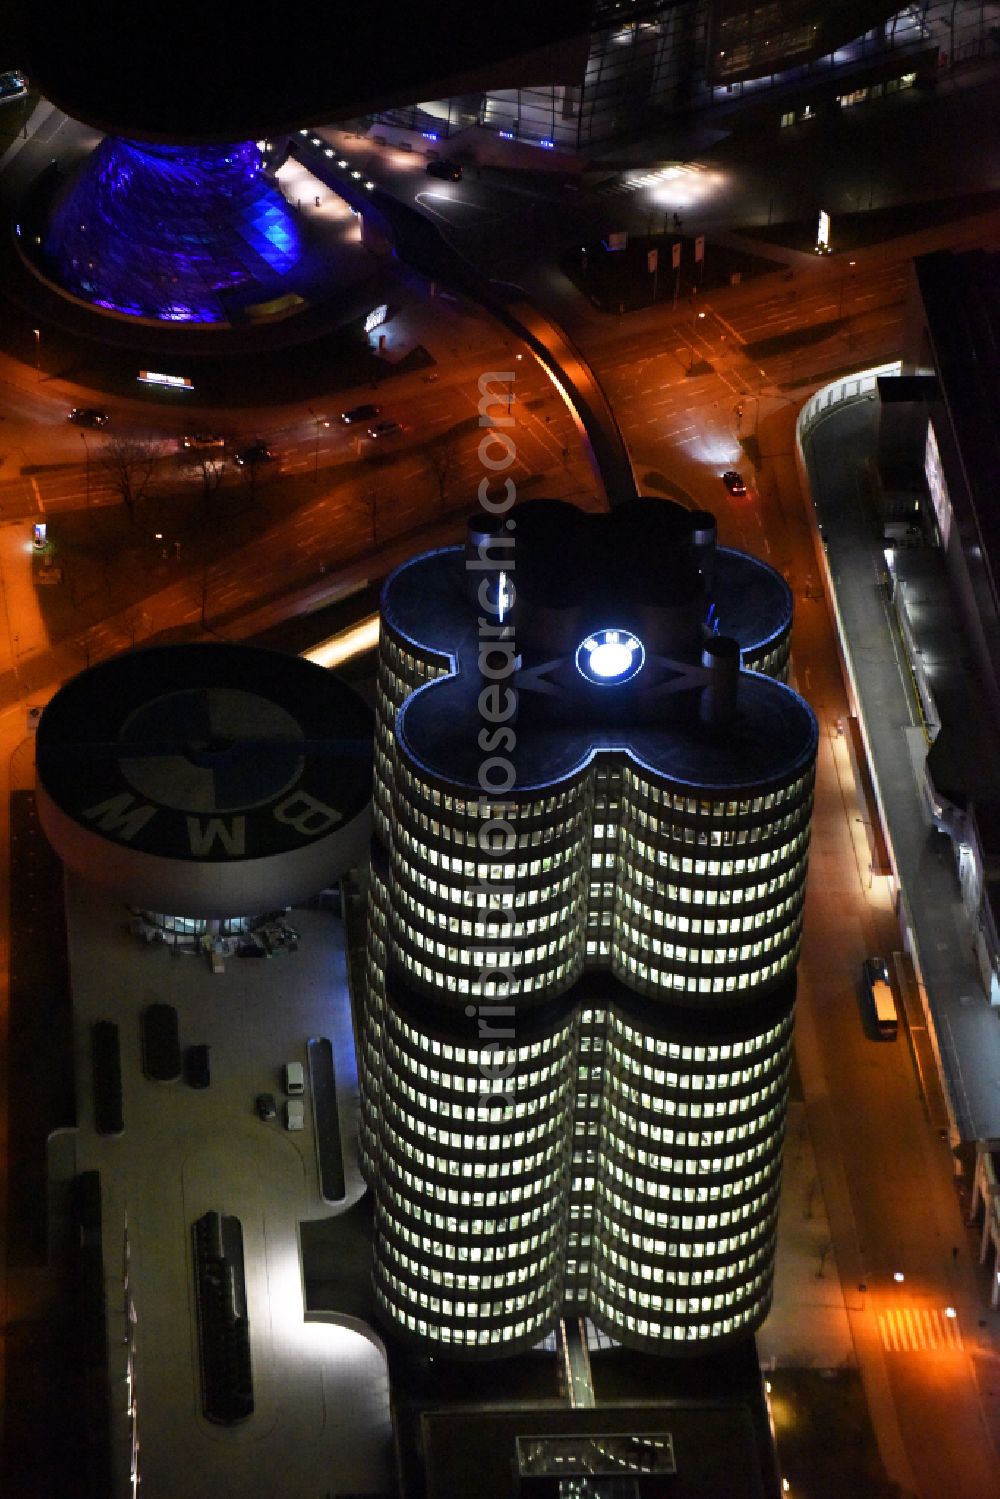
column 321, row 1423
column 961, row 298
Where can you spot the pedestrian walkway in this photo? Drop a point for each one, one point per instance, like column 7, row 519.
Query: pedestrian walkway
column 919, row 1329
column 966, row 1029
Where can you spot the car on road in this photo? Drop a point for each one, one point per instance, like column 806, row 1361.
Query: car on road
column 355, row 414
column 199, row 440
column 295, row 1114
column 384, row 429
column 196, row 1068
column 734, row 482
column 876, row 987
column 256, row 452
column 449, row 171
column 265, row 1106
column 88, row 416
column 12, row 86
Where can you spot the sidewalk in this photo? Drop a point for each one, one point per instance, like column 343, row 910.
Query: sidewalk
column 968, row 1034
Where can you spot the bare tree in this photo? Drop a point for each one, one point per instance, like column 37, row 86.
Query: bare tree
column 442, row 460
column 370, row 493
column 211, row 469
column 134, row 620
column 129, row 463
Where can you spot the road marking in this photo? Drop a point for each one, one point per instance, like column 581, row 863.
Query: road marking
column 919, row 1330
column 728, row 326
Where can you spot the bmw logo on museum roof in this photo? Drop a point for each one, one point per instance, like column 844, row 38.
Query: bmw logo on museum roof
column 206, row 780
column 610, row 657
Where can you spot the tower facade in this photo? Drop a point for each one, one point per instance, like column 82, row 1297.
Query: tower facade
column 585, row 908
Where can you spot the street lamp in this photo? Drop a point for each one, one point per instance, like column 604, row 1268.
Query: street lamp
column 320, row 422
column 870, row 840
column 695, row 319
column 37, row 332
column 86, row 449
column 843, row 286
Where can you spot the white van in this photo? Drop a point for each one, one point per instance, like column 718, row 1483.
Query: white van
column 295, row 1079
column 881, row 1001
column 295, row 1114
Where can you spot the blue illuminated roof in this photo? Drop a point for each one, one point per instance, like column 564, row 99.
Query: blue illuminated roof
column 613, row 608
column 166, row 232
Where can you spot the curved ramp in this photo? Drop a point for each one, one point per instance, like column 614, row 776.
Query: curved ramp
column 422, row 246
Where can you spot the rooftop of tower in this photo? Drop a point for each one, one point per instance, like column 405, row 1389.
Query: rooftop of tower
column 608, row 616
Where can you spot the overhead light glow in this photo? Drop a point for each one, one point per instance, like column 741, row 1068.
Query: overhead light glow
column 351, row 642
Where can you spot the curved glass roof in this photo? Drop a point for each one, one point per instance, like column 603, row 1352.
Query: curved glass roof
column 171, row 232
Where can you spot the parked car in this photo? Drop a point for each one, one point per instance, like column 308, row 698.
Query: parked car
column 450, row 171
column 355, row 414
column 295, row 1078
column 734, row 482
column 196, row 1069
column 295, row 1114
column 257, row 452
column 264, row 1105
column 384, row 429
column 88, row 416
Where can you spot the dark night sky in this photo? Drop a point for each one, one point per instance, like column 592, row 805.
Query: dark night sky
column 214, row 69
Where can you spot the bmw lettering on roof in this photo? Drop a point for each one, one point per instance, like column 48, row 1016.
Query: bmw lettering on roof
column 610, row 657
column 213, row 777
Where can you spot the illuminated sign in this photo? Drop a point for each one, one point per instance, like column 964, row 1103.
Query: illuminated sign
column 172, row 382
column 504, row 598
column 376, row 317
column 940, row 498
column 610, row 657
column 823, row 233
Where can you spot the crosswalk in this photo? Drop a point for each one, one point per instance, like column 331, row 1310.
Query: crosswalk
column 681, row 177
column 919, row 1329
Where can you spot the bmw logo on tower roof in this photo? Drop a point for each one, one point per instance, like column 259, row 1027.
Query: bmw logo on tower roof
column 610, row 657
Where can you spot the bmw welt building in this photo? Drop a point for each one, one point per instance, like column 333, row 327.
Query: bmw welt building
column 592, row 805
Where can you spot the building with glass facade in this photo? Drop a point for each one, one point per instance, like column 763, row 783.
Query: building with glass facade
column 178, row 234
column 592, row 821
column 654, row 62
